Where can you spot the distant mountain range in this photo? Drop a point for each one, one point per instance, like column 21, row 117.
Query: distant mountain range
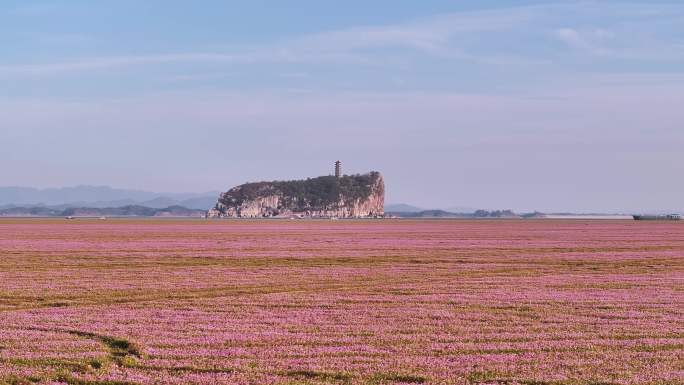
column 54, row 201
column 125, row 211
column 448, row 214
column 402, row 208
column 101, row 197
column 406, row 208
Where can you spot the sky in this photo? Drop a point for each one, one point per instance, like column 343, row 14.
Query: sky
column 524, row 105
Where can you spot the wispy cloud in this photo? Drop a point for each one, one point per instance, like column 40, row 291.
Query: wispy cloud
column 358, row 45
column 201, row 76
column 432, row 35
column 480, row 37
column 589, row 41
column 115, row 61
column 33, row 9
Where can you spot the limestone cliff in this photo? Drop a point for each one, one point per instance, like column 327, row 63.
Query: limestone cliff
column 349, row 196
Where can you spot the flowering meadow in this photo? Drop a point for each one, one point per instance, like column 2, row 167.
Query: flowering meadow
column 538, row 302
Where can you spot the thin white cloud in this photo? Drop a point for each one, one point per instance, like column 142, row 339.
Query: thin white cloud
column 479, row 37
column 571, row 37
column 429, row 36
column 587, row 41
column 115, row 61
column 201, row 76
column 33, row 9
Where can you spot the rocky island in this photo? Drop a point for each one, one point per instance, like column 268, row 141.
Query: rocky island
column 339, row 196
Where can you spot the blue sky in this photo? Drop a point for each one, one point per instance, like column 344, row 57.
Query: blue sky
column 493, row 104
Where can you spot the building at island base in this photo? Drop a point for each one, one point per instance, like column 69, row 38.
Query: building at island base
column 668, row 217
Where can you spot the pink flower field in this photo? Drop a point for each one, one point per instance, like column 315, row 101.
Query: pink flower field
column 125, row 302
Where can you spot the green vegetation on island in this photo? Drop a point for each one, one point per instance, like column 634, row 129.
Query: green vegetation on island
column 323, row 191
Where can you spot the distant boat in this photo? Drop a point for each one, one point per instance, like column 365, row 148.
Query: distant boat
column 669, row 217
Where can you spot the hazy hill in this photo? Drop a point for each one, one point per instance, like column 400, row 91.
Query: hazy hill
column 448, row 214
column 460, row 209
column 402, row 208
column 426, row 214
column 407, row 208
column 101, row 197
column 125, row 211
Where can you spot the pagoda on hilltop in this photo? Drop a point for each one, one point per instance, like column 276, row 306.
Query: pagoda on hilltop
column 338, row 169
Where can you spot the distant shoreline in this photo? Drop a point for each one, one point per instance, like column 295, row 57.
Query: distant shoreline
column 578, row 216
column 588, row 216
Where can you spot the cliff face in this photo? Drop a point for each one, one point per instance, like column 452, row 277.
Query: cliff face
column 350, row 196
